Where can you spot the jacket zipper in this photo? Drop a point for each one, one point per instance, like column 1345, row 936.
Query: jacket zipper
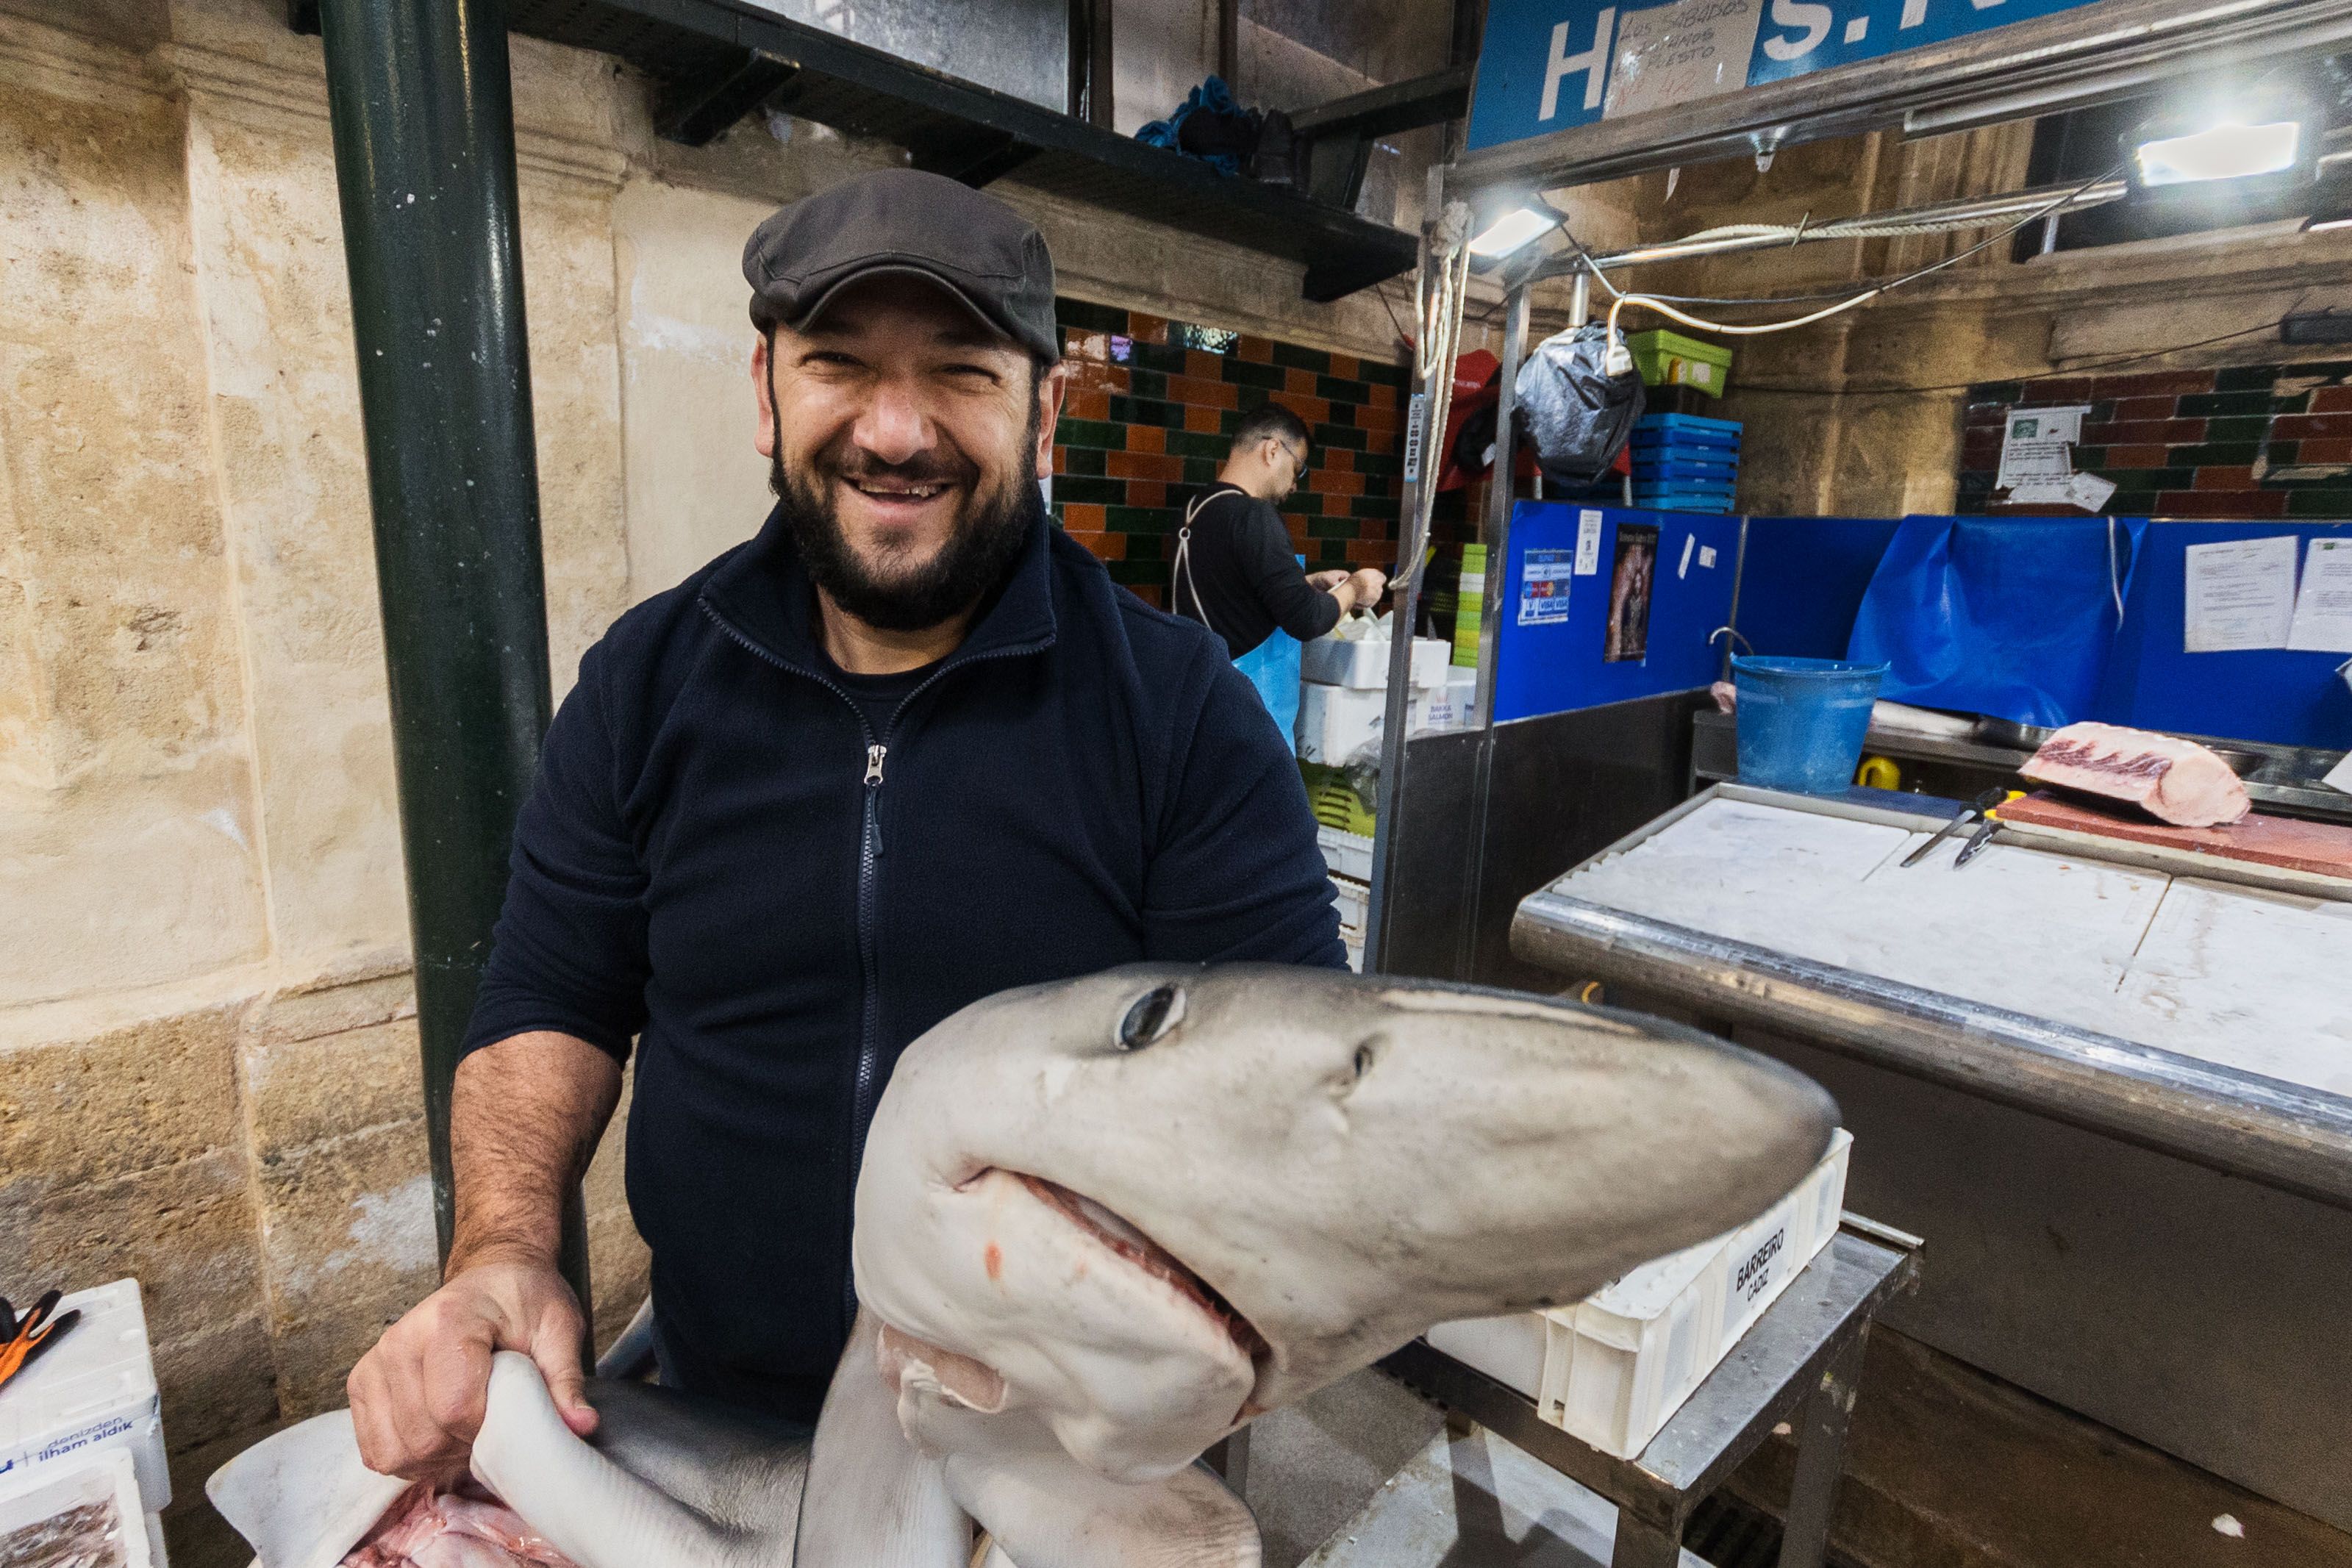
column 869, row 852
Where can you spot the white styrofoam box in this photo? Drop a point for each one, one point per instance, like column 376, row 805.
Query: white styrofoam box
column 1339, row 724
column 1509, row 1349
column 1363, row 663
column 105, row 1482
column 1355, row 954
column 1346, row 853
column 156, row 1556
column 94, row 1389
column 1613, row 1368
column 1355, row 900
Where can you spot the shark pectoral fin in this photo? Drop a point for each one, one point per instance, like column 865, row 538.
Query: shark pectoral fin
column 302, row 1498
column 1044, row 1510
column 588, row 1508
column 873, row 1500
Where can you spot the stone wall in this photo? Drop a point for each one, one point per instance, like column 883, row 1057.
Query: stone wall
column 208, row 1073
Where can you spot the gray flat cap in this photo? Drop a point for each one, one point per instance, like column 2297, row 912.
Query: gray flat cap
column 904, row 220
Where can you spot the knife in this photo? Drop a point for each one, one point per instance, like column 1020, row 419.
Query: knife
column 1983, row 803
column 1984, row 836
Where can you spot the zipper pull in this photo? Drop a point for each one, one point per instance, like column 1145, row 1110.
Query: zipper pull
column 873, row 755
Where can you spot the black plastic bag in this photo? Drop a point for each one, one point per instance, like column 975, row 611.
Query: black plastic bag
column 1576, row 413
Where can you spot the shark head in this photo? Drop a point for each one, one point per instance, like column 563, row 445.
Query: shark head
column 1131, row 1211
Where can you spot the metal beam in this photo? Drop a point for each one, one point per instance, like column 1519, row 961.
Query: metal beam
column 423, row 113
column 2089, row 54
column 696, row 113
column 1397, row 106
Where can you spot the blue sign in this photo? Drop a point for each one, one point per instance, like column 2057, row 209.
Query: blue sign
column 1548, row 65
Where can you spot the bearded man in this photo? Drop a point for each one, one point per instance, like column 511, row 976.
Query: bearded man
column 907, row 747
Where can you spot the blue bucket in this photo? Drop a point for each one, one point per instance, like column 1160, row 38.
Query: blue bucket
column 1802, row 721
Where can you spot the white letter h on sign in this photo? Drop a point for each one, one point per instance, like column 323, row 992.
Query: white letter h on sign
column 1593, row 62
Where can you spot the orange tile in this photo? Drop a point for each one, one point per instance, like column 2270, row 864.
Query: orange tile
column 1299, row 382
column 1346, row 366
column 1206, row 394
column 1146, row 493
column 1146, row 438
column 2134, row 457
column 1080, row 345
column 1370, row 418
column 1383, row 395
column 1313, row 410
column 1147, row 329
column 1145, row 465
column 2331, row 399
column 1203, row 365
column 2225, row 479
column 1201, row 421
column 1152, row 594
column 1083, row 517
column 1340, row 459
column 1326, row 482
column 1256, row 351
column 1089, row 405
column 1061, row 460
column 2336, row 451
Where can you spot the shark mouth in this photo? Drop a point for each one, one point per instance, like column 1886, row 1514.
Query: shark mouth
column 1144, row 1253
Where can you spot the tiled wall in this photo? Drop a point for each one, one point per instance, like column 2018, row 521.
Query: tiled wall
column 1151, row 409
column 2252, row 441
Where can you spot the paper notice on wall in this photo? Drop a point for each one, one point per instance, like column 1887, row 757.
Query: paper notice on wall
column 2089, row 491
column 2038, row 444
column 1672, row 53
column 2240, row 595
column 2323, row 606
column 1587, row 543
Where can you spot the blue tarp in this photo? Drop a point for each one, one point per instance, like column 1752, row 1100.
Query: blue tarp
column 1273, row 668
column 2007, row 616
column 1217, row 98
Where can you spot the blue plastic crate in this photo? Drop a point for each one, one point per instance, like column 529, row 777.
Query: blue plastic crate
column 1679, row 443
column 1691, row 423
column 1677, row 469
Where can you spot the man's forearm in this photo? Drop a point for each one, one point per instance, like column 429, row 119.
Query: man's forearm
column 524, row 1118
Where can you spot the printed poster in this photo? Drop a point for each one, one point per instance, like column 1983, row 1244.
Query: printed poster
column 1543, row 586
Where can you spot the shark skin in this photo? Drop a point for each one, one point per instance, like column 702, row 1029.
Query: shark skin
column 1104, row 1222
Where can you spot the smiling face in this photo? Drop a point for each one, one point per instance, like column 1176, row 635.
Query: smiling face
column 1138, row 1207
column 905, row 439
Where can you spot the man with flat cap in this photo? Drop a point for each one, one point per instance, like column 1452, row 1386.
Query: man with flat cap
column 906, row 749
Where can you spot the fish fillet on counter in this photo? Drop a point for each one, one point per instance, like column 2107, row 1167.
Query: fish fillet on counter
column 2173, row 780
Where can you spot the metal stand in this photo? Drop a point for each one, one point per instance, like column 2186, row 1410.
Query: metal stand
column 1801, row 1362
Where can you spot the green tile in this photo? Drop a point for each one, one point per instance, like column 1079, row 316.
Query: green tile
column 2146, row 478
column 1087, row 462
column 2245, row 378
column 1208, row 340
column 1387, row 375
column 1333, row 527
column 1090, row 433
column 1242, row 372
column 1291, row 357
column 1201, row 470
column 2214, row 454
column 2130, row 503
column 1307, row 501
column 2091, row 457
column 1089, row 318
column 1331, row 552
column 1142, row 519
column 1147, row 383
column 1379, row 463
column 1338, row 391
column 2283, row 453
column 1345, row 435
column 1165, row 358
column 1131, row 572
column 2195, row 405
column 2238, row 427
column 1093, row 491
column 1197, row 443
column 1372, row 507
column 2320, row 504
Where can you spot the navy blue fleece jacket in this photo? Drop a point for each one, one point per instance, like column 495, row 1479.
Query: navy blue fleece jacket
column 722, row 861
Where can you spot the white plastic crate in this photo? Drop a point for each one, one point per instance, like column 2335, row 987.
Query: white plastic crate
column 1363, row 663
column 1348, row 854
column 86, row 1514
column 1355, row 900
column 1614, row 1367
column 93, row 1390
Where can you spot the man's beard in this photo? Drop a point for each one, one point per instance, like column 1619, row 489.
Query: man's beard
column 988, row 535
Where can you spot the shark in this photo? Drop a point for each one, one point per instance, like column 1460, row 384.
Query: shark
column 1103, row 1223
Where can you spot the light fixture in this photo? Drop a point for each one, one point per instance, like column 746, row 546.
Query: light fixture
column 2329, row 215
column 2228, row 151
column 1511, row 231
column 2231, row 140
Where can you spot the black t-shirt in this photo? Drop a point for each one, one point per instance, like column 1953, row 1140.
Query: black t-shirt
column 1247, row 576
column 877, row 696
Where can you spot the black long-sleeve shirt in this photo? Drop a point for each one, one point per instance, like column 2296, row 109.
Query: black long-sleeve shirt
column 776, row 886
column 1247, row 576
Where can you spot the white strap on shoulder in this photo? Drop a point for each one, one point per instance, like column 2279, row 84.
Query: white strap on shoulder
column 1181, row 574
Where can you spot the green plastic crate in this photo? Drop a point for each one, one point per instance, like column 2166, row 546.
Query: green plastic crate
column 1670, row 360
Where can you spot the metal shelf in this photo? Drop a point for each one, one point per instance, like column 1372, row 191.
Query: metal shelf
column 717, row 61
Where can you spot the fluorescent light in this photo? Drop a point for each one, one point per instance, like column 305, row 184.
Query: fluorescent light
column 1509, row 231
column 2227, row 152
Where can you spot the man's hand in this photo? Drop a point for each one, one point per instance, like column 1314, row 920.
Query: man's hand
column 1370, row 584
column 1325, row 581
column 417, row 1398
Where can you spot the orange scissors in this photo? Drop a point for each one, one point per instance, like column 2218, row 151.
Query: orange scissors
column 22, row 1340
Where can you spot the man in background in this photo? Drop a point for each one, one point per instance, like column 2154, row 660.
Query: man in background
column 1235, row 571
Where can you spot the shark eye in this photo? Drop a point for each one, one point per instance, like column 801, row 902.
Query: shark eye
column 1153, row 1014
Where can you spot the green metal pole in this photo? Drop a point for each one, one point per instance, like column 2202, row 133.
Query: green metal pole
column 424, row 156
